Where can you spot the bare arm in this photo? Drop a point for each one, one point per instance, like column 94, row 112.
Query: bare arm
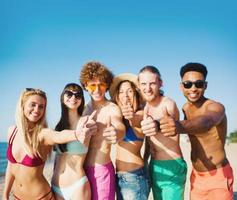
column 147, row 152
column 85, row 128
column 136, row 120
column 117, row 123
column 9, row 177
column 214, row 114
column 115, row 129
column 51, row 137
column 9, row 180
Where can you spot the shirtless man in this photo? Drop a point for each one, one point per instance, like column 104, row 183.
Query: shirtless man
column 206, row 125
column 167, row 167
column 96, row 79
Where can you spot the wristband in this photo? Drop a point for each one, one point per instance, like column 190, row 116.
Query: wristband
column 76, row 135
column 157, row 124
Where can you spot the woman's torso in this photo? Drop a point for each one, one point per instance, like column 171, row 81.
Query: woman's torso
column 128, row 157
column 27, row 169
column 69, row 164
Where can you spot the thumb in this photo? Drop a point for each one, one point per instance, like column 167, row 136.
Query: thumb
column 145, row 113
column 165, row 112
column 124, row 101
column 91, row 117
column 82, row 121
column 109, row 122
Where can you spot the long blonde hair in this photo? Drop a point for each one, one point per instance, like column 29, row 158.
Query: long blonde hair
column 31, row 140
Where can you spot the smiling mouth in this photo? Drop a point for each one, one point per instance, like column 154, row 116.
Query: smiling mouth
column 35, row 115
column 193, row 95
column 148, row 93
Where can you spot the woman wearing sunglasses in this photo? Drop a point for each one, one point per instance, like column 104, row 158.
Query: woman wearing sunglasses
column 131, row 176
column 69, row 180
column 30, row 143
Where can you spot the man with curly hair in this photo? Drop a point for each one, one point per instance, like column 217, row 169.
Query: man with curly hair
column 96, row 80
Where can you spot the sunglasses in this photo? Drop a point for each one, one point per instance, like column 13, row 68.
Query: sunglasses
column 69, row 94
column 198, row 84
column 37, row 91
column 93, row 87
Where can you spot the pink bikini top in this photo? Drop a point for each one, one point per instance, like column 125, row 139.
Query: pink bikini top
column 27, row 160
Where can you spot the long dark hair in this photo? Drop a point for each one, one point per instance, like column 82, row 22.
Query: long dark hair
column 64, row 120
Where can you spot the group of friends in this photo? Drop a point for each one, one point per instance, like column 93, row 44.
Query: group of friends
column 137, row 114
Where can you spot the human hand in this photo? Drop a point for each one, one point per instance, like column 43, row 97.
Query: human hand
column 127, row 110
column 109, row 133
column 91, row 124
column 167, row 124
column 148, row 124
column 86, row 128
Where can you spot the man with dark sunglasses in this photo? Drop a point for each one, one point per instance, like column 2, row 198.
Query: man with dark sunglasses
column 206, row 125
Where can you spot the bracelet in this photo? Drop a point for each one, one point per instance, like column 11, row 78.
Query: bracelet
column 75, row 135
column 158, row 125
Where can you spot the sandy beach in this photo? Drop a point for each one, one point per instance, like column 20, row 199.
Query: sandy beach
column 231, row 149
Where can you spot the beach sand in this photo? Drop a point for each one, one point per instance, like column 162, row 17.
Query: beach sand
column 231, row 149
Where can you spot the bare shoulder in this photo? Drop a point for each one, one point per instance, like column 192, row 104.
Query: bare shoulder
column 87, row 109
column 113, row 107
column 44, row 133
column 10, row 131
column 168, row 101
column 185, row 106
column 212, row 105
column 171, row 107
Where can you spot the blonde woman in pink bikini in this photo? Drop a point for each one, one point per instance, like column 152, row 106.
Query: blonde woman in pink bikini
column 30, row 143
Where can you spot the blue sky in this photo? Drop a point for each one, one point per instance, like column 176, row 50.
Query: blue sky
column 43, row 44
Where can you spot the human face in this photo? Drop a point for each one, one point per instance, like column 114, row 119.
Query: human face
column 193, row 94
column 125, row 94
column 34, row 108
column 149, row 84
column 96, row 89
column 72, row 99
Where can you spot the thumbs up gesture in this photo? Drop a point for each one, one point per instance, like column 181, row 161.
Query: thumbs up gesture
column 86, row 127
column 109, row 132
column 91, row 124
column 148, row 124
column 167, row 124
column 127, row 110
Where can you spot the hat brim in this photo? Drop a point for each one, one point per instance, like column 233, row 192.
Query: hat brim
column 122, row 77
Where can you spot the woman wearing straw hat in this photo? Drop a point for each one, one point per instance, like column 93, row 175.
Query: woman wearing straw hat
column 131, row 176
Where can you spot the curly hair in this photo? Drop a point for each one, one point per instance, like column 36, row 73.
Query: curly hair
column 95, row 70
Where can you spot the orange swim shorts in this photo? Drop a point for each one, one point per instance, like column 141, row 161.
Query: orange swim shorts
column 212, row 185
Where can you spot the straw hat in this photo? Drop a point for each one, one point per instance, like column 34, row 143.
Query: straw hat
column 122, row 77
